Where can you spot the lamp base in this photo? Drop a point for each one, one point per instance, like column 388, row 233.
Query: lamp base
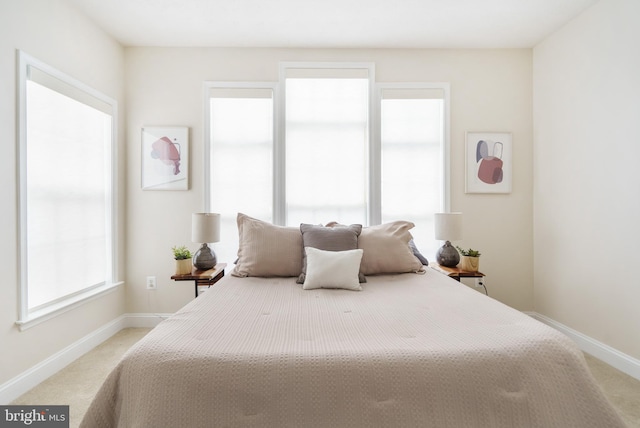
column 204, row 258
column 447, row 255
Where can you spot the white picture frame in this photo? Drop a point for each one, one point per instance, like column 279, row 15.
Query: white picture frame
column 488, row 162
column 165, row 158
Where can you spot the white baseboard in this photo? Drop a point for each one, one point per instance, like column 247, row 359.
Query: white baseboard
column 17, row 386
column 22, row 383
column 142, row 320
column 606, row 353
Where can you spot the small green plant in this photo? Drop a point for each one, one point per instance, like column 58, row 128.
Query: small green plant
column 469, row 252
column 181, row 253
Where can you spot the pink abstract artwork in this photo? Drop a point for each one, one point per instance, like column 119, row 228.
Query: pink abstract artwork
column 167, row 152
column 165, row 158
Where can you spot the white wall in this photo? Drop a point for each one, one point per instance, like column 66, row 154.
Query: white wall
column 52, row 32
column 586, row 175
column 490, row 91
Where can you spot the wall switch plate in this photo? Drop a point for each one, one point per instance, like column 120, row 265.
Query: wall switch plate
column 151, row 283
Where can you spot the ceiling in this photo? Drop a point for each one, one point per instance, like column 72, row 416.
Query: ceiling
column 332, row 23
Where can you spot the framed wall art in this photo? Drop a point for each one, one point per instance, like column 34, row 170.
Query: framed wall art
column 165, row 158
column 488, row 162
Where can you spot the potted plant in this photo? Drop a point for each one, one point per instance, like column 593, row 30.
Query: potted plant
column 183, row 260
column 469, row 260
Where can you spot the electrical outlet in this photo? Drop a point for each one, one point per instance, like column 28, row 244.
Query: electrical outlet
column 151, row 283
column 479, row 282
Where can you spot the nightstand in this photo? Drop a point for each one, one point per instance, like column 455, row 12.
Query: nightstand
column 203, row 277
column 457, row 273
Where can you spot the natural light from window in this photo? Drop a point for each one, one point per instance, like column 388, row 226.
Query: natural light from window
column 67, row 214
column 67, row 145
column 412, row 176
column 241, row 159
column 326, row 146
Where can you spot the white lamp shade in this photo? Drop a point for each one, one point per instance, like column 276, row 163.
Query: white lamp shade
column 205, row 227
column 448, row 226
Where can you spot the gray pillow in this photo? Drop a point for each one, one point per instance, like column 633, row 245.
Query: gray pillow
column 418, row 254
column 337, row 238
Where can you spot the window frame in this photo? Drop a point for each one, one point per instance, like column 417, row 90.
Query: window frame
column 30, row 317
column 374, row 202
column 280, row 184
column 207, row 87
column 445, row 153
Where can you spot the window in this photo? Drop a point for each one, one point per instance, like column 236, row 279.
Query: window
column 327, row 147
column 240, row 156
column 412, row 135
column 67, row 134
column 326, row 140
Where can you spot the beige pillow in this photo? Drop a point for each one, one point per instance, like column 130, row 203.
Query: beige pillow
column 267, row 250
column 386, row 249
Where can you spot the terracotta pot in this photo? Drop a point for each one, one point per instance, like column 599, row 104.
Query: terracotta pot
column 183, row 267
column 469, row 264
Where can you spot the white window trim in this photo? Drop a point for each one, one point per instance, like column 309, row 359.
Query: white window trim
column 374, row 202
column 445, row 155
column 28, row 318
column 280, row 184
column 208, row 85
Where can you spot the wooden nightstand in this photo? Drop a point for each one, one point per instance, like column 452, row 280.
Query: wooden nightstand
column 457, row 273
column 203, row 277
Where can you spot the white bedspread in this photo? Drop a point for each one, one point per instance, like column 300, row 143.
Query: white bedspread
column 408, row 351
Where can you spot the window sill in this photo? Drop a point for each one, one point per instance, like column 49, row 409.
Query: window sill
column 36, row 317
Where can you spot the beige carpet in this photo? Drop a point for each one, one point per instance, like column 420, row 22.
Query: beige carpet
column 77, row 383
column 623, row 391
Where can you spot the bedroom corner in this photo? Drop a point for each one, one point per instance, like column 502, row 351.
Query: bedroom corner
column 60, row 36
column 586, row 211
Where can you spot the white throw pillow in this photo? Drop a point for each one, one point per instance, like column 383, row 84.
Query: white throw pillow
column 332, row 269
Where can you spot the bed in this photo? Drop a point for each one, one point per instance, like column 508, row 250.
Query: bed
column 411, row 349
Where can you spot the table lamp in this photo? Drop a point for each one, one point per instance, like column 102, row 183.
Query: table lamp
column 448, row 227
column 205, row 228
